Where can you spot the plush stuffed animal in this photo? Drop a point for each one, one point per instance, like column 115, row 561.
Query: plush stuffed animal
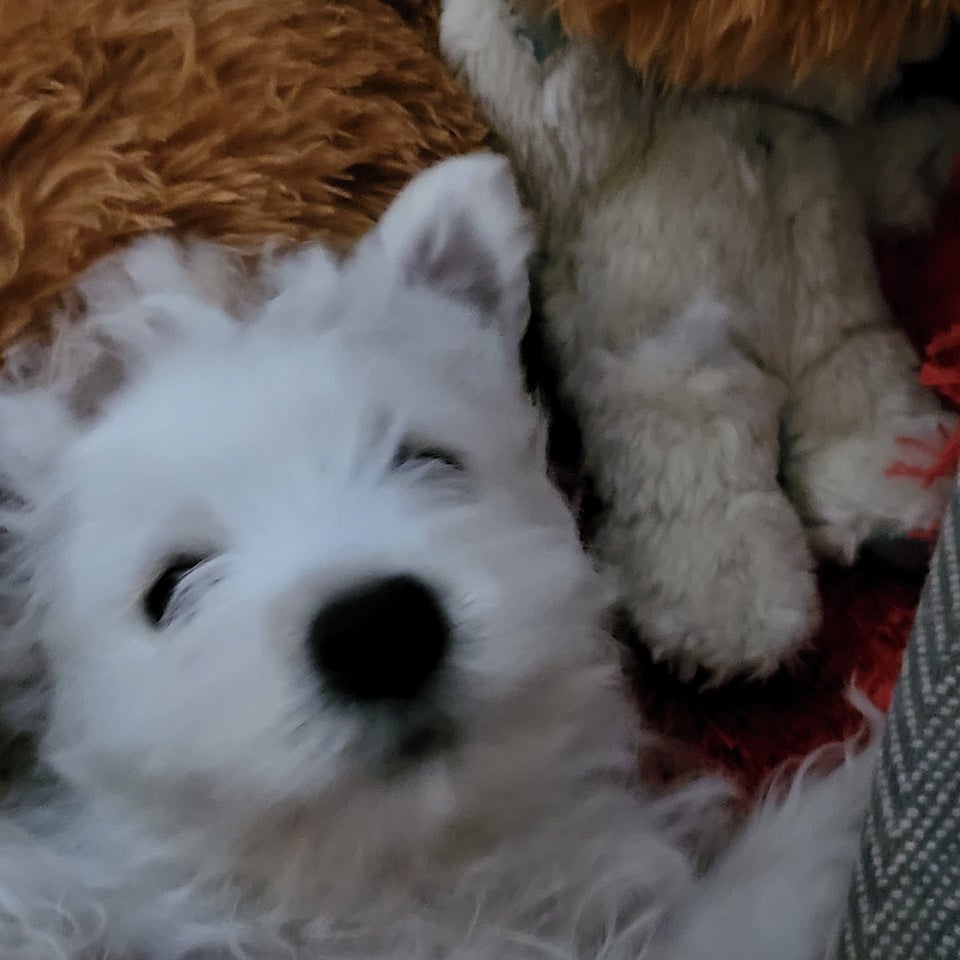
column 712, row 306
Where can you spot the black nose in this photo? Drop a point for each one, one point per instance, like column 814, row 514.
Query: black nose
column 381, row 640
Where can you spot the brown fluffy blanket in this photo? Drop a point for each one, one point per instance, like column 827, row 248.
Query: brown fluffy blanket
column 237, row 119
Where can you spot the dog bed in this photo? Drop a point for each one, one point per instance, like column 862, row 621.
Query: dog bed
column 247, row 121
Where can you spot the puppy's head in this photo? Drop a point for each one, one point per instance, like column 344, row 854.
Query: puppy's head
column 304, row 553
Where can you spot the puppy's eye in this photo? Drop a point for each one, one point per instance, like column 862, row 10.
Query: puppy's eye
column 414, row 454
column 157, row 599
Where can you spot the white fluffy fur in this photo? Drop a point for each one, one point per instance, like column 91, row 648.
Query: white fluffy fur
column 202, row 793
column 712, row 305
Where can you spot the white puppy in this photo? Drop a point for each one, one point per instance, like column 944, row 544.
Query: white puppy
column 328, row 675
column 713, row 309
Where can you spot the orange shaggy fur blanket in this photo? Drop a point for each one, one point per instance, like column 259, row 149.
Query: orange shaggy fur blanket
column 241, row 120
column 735, row 42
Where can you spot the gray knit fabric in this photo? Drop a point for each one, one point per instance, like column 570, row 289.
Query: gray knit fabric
column 904, row 899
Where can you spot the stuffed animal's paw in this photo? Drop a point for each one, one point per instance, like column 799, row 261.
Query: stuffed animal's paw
column 468, row 26
column 731, row 592
column 869, row 488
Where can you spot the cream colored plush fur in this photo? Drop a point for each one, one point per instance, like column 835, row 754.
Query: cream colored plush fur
column 712, row 305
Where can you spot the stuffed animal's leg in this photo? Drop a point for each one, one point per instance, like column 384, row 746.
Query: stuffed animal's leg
column 479, row 40
column 681, row 436
column 538, row 101
column 780, row 889
column 853, row 382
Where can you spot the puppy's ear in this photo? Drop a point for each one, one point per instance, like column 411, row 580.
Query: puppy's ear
column 460, row 229
column 122, row 312
column 134, row 307
column 160, row 292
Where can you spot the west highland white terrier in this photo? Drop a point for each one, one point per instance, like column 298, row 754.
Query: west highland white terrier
column 326, row 673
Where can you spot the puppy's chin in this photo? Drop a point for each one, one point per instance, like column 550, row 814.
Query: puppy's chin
column 419, row 744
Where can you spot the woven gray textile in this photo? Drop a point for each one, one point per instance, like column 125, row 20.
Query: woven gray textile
column 904, row 899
